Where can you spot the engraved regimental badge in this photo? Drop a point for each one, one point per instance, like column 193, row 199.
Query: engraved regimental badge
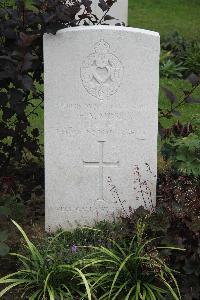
column 101, row 72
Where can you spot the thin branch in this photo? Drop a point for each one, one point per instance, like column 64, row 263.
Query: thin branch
column 104, row 15
column 35, row 108
column 181, row 102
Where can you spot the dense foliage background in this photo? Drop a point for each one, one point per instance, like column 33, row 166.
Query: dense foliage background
column 176, row 220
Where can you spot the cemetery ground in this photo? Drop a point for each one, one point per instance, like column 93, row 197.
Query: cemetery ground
column 166, row 16
column 175, row 222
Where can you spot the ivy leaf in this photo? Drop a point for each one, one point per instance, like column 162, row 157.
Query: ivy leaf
column 170, row 95
column 176, row 113
column 190, row 99
column 16, row 96
column 108, row 17
column 3, row 98
column 4, row 75
column 193, row 79
column 110, row 2
column 161, row 130
column 103, row 5
column 192, row 266
column 27, row 83
column 9, row 33
column 27, row 40
column 27, row 65
column 35, row 132
column 16, row 101
column 3, row 236
column 4, row 211
column 7, row 114
column 4, row 249
column 87, row 4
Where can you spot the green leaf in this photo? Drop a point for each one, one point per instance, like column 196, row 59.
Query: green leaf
column 176, row 113
column 122, row 265
column 85, row 283
column 5, row 211
column 4, row 291
column 4, row 249
column 3, row 235
column 190, row 99
column 193, row 78
column 37, row 258
column 170, row 95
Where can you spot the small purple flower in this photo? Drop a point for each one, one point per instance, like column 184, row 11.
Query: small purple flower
column 74, row 248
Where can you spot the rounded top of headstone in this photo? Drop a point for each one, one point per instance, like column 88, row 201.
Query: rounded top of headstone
column 110, row 28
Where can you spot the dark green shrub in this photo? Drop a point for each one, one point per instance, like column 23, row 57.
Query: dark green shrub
column 175, row 43
column 41, row 276
column 183, row 52
column 171, row 69
column 83, row 238
column 192, row 58
column 184, row 153
column 131, row 270
column 176, row 221
column 21, row 67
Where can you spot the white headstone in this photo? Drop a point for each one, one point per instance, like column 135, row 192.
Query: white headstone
column 119, row 11
column 101, row 94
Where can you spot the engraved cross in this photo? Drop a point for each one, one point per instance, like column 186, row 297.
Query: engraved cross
column 101, row 164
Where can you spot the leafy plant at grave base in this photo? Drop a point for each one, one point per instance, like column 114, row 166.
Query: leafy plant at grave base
column 171, row 69
column 21, row 67
column 40, row 275
column 81, row 239
column 192, row 58
column 131, row 270
column 186, row 53
column 184, row 152
column 61, row 250
column 86, row 236
column 176, row 44
column 178, row 202
column 12, row 206
column 168, row 67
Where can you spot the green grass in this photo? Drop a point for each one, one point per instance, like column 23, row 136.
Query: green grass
column 166, row 16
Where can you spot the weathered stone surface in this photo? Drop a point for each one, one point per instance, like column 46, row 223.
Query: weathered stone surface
column 119, row 11
column 101, row 94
